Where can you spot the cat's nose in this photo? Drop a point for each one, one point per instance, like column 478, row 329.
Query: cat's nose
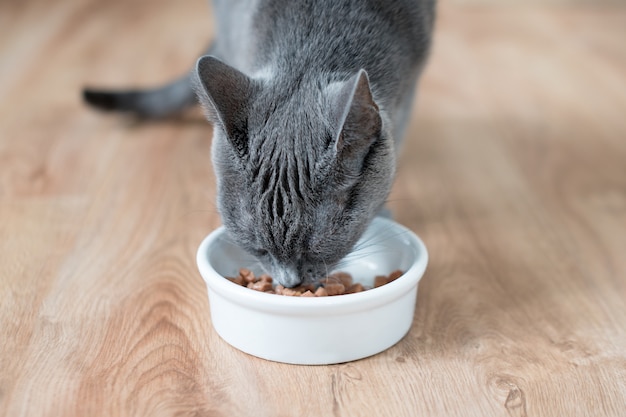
column 311, row 273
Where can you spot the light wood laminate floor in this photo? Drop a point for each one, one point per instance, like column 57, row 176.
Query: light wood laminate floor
column 513, row 173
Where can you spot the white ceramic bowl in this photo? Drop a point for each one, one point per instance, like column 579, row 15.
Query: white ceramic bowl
column 320, row 330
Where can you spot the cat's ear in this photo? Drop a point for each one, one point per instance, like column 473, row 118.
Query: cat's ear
column 357, row 119
column 225, row 94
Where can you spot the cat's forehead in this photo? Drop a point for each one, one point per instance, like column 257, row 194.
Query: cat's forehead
column 287, row 129
column 298, row 110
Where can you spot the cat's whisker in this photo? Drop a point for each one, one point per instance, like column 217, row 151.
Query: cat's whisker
column 369, row 247
column 326, row 270
column 375, row 240
column 347, row 261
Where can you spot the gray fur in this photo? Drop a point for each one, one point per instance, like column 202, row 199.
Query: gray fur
column 309, row 101
column 308, row 110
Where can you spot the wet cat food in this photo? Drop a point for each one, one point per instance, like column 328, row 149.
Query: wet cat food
column 338, row 283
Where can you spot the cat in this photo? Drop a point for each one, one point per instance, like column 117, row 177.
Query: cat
column 309, row 100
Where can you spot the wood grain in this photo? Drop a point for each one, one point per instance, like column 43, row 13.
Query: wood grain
column 513, row 173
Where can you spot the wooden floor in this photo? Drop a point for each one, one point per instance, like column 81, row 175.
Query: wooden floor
column 514, row 174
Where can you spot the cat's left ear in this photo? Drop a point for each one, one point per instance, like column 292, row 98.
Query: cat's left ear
column 225, row 94
column 357, row 119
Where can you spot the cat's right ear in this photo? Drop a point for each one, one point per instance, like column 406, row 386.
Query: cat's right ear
column 356, row 118
column 225, row 94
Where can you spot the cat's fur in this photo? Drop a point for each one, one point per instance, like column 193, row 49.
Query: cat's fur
column 309, row 101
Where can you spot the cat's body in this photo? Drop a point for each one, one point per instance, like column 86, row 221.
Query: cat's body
column 309, row 100
column 291, row 39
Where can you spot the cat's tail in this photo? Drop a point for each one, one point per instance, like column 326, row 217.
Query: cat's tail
column 150, row 103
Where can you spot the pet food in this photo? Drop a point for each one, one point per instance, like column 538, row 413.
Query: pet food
column 338, row 283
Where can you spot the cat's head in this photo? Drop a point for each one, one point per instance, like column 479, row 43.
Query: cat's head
column 302, row 166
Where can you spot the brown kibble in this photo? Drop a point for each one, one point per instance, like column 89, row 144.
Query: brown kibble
column 340, row 277
column 265, row 278
column 260, row 286
column 321, row 292
column 304, row 288
column 337, row 283
column 247, row 275
column 290, row 292
column 380, row 280
column 395, row 275
column 237, row 280
column 334, row 288
column 357, row 287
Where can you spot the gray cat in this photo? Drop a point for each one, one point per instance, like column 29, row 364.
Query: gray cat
column 309, row 100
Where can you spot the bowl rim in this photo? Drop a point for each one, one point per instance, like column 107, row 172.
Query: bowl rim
column 319, row 305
